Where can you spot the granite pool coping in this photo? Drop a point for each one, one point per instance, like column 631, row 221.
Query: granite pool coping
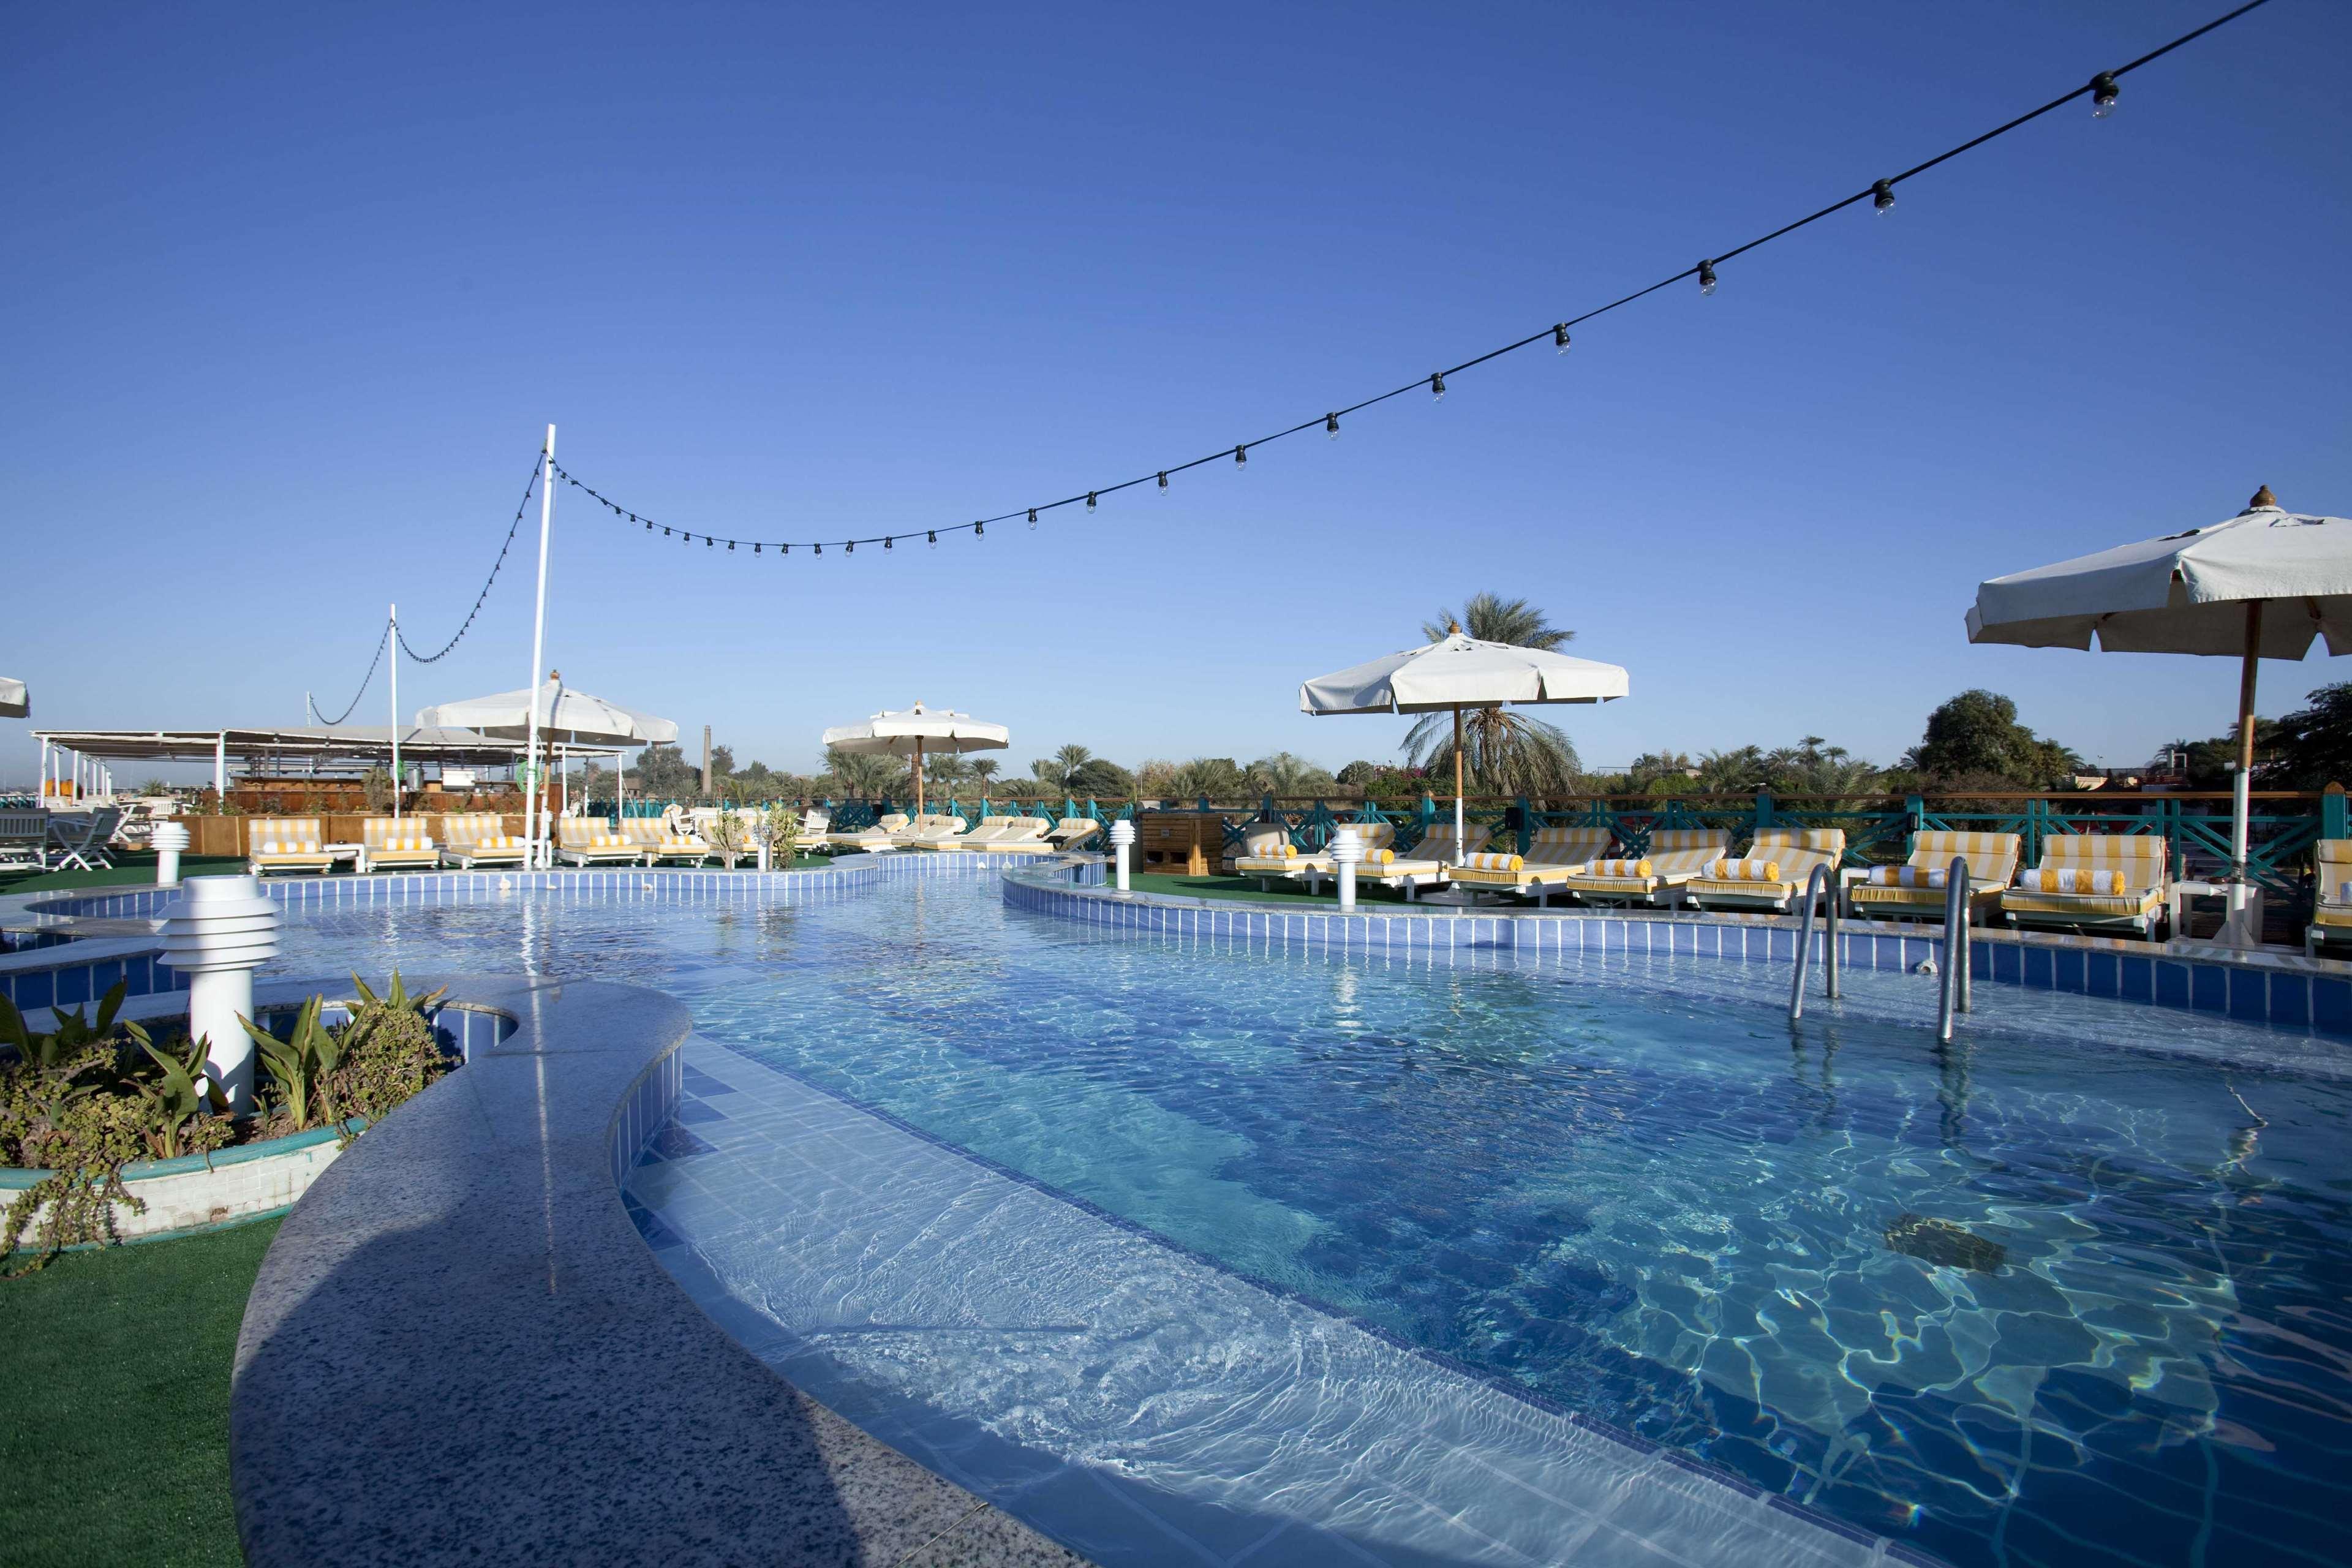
column 460, row 1350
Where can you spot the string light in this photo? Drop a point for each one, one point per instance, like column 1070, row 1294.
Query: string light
column 731, row 546
column 977, row 528
column 2103, row 89
column 850, row 548
column 1032, row 517
column 933, row 535
column 755, row 548
column 888, row 542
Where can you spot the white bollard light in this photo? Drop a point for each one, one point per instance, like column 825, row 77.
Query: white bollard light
column 1346, row 852
column 219, row 931
column 169, row 838
column 1122, row 844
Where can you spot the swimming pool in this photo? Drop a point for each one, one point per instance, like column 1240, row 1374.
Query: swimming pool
column 1614, row 1185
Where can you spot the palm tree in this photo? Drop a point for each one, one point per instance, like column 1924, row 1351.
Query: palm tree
column 1284, row 773
column 984, row 770
column 1490, row 618
column 860, row 774
column 1072, row 761
column 1503, row 752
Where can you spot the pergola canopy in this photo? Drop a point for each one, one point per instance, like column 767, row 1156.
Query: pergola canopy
column 326, row 746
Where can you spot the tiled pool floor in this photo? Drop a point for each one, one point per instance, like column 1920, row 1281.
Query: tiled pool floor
column 1137, row 1403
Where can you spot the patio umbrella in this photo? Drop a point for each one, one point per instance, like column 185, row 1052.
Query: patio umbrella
column 14, row 702
column 915, row 731
column 563, row 716
column 2261, row 584
column 1457, row 672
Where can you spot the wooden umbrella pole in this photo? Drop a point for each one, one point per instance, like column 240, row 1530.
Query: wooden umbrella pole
column 2243, row 783
column 1457, row 786
column 919, row 776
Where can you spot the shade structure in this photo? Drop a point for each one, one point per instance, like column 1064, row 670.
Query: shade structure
column 574, row 718
column 912, row 731
column 15, row 702
column 2265, row 584
column 1455, row 672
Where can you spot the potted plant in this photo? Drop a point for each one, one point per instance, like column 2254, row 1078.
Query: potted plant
column 777, row 831
column 728, row 836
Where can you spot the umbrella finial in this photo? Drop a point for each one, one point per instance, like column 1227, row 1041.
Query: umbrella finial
column 2262, row 497
column 1454, row 628
column 556, row 676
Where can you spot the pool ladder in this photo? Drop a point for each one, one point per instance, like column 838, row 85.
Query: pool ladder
column 1953, row 992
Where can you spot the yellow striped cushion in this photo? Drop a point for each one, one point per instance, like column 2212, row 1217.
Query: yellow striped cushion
column 1745, row 870
column 1907, row 876
column 289, row 846
column 2070, row 880
column 1493, row 862
column 1380, row 857
column 1619, row 868
column 607, row 841
column 1276, row 849
column 681, row 843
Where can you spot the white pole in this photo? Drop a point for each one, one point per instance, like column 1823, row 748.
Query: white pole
column 220, row 769
column 538, row 646
column 391, row 625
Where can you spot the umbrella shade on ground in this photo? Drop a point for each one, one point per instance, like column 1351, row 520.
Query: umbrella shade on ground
column 1455, row 672
column 2265, row 584
column 912, row 731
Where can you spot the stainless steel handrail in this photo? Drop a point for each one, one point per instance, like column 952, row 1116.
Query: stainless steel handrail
column 1955, row 993
column 1818, row 888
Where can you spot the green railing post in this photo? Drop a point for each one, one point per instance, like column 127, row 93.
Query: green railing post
column 2335, row 818
column 1526, row 825
column 1763, row 813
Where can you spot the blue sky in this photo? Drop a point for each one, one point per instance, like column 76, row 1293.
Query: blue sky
column 293, row 291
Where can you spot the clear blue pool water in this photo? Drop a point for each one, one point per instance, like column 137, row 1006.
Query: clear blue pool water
column 1623, row 1184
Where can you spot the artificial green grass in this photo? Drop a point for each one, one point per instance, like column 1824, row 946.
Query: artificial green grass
column 116, row 1364
column 1245, row 889
column 131, row 868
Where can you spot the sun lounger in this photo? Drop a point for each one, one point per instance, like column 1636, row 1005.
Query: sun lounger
column 389, row 845
column 286, row 843
column 2086, row 882
column 2331, row 918
column 23, row 839
column 930, row 830
column 1073, row 831
column 1426, row 865
column 1915, row 891
column 588, row 841
column 1772, row 877
column 1265, row 852
column 871, row 838
column 659, row 841
column 1676, row 857
column 1553, row 856
column 478, row 838
column 75, row 840
column 1016, row 836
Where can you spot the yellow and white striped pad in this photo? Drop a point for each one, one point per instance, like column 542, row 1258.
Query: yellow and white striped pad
column 1673, row 840
column 1908, row 877
column 1493, row 862
column 2106, row 884
column 2139, row 857
column 1992, row 856
column 288, row 846
column 1750, row 870
column 1620, row 868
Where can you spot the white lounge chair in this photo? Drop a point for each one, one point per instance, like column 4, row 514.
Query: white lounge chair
column 587, row 841
column 1553, row 856
column 389, row 845
column 478, row 838
column 660, row 841
column 1426, row 864
column 1772, row 877
column 78, row 840
column 286, row 844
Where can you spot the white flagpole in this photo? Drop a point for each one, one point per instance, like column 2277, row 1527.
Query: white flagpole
column 538, row 646
column 392, row 627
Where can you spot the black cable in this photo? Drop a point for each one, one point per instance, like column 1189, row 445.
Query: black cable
column 364, row 682
column 2102, row 83
column 488, row 583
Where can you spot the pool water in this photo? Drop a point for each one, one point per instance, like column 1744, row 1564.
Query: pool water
column 1620, row 1183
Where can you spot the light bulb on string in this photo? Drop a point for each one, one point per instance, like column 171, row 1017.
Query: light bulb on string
column 1330, row 426
column 1436, row 388
column 850, row 548
column 1559, row 339
column 1163, row 481
column 649, row 525
column 755, row 547
column 1241, row 457
column 664, row 533
column 730, row 547
column 783, row 550
column 1032, row 517
column 2104, row 93
column 1882, row 197
column 708, row 542
column 1706, row 277
column 1090, row 501
column 888, row 542
column 818, row 547
column 979, row 529
column 933, row 535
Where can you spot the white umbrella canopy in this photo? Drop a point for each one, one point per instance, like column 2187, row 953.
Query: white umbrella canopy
column 1459, row 671
column 2265, row 584
column 15, row 702
column 564, row 715
column 911, row 732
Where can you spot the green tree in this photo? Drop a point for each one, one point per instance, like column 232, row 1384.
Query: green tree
column 1284, row 773
column 663, row 772
column 1210, row 776
column 859, row 774
column 1975, row 739
column 2311, row 748
column 1490, row 618
column 985, row 769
